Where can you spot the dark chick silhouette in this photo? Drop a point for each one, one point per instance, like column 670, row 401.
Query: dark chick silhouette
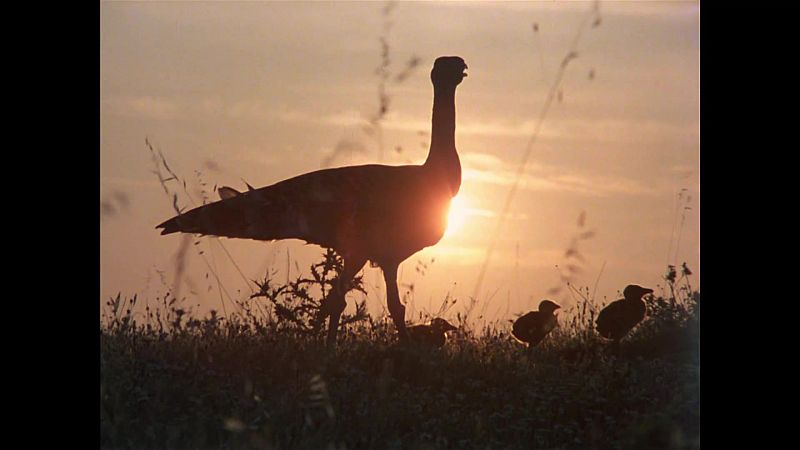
column 433, row 334
column 619, row 317
column 534, row 326
column 377, row 213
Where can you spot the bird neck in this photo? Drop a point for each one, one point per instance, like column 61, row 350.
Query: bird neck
column 443, row 156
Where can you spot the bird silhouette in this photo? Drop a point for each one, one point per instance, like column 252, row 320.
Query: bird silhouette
column 534, row 326
column 378, row 213
column 433, row 334
column 619, row 317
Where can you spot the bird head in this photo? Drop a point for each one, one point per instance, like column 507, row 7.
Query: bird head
column 635, row 292
column 442, row 325
column 448, row 71
column 548, row 307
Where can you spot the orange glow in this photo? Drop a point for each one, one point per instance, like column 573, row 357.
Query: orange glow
column 457, row 216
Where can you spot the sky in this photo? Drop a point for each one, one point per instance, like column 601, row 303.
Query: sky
column 257, row 92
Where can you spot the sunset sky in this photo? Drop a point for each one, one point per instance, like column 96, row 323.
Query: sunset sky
column 262, row 91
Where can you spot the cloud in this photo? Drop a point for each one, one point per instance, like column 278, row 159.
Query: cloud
column 119, row 183
column 472, row 255
column 481, row 160
column 260, row 111
column 684, row 171
column 254, row 154
column 344, row 148
column 488, row 214
column 142, row 106
column 469, row 128
column 656, row 9
column 485, row 168
column 599, row 129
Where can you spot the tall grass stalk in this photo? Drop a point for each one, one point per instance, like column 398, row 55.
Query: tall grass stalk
column 572, row 53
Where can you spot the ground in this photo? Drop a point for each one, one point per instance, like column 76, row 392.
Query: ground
column 233, row 384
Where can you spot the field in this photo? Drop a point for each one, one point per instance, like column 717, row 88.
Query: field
column 171, row 381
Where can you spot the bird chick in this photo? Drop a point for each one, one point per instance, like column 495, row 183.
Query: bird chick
column 433, row 334
column 531, row 328
column 619, row 317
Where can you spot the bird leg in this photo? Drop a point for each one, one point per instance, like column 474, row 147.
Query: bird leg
column 396, row 309
column 335, row 303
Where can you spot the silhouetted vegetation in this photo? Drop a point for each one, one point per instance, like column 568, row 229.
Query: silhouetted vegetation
column 295, row 305
column 258, row 379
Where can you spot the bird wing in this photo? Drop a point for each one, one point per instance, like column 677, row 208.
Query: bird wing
column 610, row 318
column 226, row 192
column 419, row 332
column 526, row 327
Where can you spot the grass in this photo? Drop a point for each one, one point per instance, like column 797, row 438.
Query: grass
column 170, row 380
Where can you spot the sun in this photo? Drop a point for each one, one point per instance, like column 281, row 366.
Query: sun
column 456, row 217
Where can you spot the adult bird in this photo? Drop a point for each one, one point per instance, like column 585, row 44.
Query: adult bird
column 383, row 214
column 619, row 317
column 534, row 326
column 433, row 334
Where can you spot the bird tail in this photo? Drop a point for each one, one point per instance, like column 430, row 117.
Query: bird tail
column 234, row 216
